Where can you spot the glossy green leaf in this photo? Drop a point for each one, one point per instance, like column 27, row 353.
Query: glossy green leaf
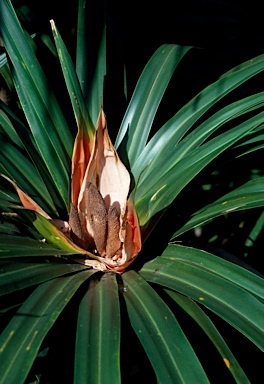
column 250, row 143
column 249, row 195
column 161, row 164
column 60, row 244
column 97, row 355
column 21, row 339
column 160, row 334
column 96, row 92
column 47, row 40
column 207, row 325
column 49, row 128
column 82, row 116
column 174, row 129
column 218, row 266
column 91, row 55
column 233, row 303
column 15, row 164
column 256, row 231
column 7, row 127
column 20, row 135
column 9, row 195
column 53, row 235
column 81, row 46
column 152, row 196
column 137, row 122
column 9, row 227
column 20, row 246
column 16, row 275
column 15, row 225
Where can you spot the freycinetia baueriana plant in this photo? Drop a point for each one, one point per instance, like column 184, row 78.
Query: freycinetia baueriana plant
column 78, row 216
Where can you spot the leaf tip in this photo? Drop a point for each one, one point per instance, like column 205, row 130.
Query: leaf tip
column 52, row 25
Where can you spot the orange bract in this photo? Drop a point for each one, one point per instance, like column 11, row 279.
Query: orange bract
column 111, row 222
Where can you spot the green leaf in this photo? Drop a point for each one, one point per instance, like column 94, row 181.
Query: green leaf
column 249, row 195
column 160, row 334
column 167, row 137
column 20, row 246
column 49, row 128
column 96, row 92
column 256, row 231
column 159, row 164
column 252, row 142
column 151, row 196
column 9, row 228
column 20, row 135
column 82, row 116
column 16, row 275
column 21, row 339
column 206, row 324
column 218, row 266
column 15, row 164
column 91, row 55
column 233, row 303
column 146, row 98
column 7, row 127
column 97, row 355
column 53, row 235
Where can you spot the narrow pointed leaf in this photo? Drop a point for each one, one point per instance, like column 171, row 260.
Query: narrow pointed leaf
column 85, row 137
column 160, row 164
column 21, row 339
column 97, row 355
column 20, row 135
column 160, row 334
column 148, row 93
column 96, row 91
column 18, row 275
column 53, row 235
column 82, row 116
column 49, row 128
column 91, row 55
column 218, row 266
column 249, row 195
column 7, row 127
column 152, row 196
column 27, row 66
column 256, row 231
column 207, row 325
column 231, row 302
column 173, row 130
column 15, row 164
column 250, row 143
column 18, row 246
column 81, row 47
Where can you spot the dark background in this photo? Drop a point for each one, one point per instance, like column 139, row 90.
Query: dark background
column 225, row 33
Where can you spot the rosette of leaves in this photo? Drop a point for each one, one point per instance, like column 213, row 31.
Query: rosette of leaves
column 42, row 276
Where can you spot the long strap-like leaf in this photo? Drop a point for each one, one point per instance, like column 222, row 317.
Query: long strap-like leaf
column 137, row 122
column 249, row 195
column 97, row 354
column 228, row 300
column 166, row 157
column 49, row 128
column 151, row 196
column 174, row 129
column 208, row 327
column 160, row 334
column 21, row 339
